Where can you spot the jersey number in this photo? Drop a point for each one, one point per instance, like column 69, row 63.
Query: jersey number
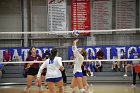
column 50, row 61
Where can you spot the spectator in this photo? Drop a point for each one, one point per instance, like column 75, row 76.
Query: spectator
column 98, row 66
column 136, row 65
column 7, row 56
column 100, row 54
column 90, row 65
column 129, row 64
column 123, row 63
column 116, row 64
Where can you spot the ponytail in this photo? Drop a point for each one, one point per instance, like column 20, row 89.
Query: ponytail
column 53, row 53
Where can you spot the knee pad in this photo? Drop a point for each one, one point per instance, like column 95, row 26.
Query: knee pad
column 82, row 90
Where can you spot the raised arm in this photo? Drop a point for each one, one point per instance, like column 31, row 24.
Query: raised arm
column 74, row 48
column 75, row 42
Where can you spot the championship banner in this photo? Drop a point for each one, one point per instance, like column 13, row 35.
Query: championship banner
column 56, row 15
column 125, row 14
column 80, row 15
column 102, row 14
column 21, row 53
column 109, row 51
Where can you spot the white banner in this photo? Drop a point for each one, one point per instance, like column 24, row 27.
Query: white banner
column 102, row 14
column 56, row 15
column 125, row 14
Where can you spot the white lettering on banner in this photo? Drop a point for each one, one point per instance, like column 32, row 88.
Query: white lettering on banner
column 119, row 51
column 108, row 52
column 21, row 54
column 90, row 49
column 131, row 48
column 97, row 49
column 116, row 51
column 1, row 55
column 44, row 49
column 25, row 53
column 15, row 54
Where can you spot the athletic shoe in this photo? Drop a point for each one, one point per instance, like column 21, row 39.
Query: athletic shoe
column 125, row 75
column 91, row 74
column 133, row 86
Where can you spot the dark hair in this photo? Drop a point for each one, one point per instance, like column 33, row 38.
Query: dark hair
column 53, row 53
column 47, row 54
column 30, row 52
column 84, row 54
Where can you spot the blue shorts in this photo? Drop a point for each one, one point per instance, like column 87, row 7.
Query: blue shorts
column 53, row 79
column 78, row 74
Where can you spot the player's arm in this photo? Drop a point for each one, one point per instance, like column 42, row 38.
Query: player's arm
column 27, row 65
column 74, row 48
column 61, row 67
column 44, row 65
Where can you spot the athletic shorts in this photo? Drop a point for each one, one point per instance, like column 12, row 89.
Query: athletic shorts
column 78, row 74
column 33, row 71
column 54, row 79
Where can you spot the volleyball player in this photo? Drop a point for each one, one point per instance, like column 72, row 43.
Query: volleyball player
column 78, row 75
column 54, row 67
column 84, row 71
column 32, row 69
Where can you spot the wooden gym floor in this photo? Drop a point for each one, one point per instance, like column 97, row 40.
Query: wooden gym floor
column 96, row 88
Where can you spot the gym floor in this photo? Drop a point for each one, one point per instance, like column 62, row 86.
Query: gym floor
column 96, row 88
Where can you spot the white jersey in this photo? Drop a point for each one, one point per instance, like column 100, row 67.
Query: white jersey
column 78, row 60
column 52, row 68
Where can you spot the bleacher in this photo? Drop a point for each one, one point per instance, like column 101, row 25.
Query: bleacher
column 14, row 74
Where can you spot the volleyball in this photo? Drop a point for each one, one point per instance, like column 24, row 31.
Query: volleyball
column 75, row 33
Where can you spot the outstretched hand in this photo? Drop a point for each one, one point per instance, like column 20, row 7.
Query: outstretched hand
column 76, row 40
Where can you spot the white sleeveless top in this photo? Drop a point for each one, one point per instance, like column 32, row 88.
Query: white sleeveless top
column 52, row 68
column 78, row 61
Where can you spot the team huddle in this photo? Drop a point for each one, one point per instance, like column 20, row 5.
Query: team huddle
column 52, row 70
